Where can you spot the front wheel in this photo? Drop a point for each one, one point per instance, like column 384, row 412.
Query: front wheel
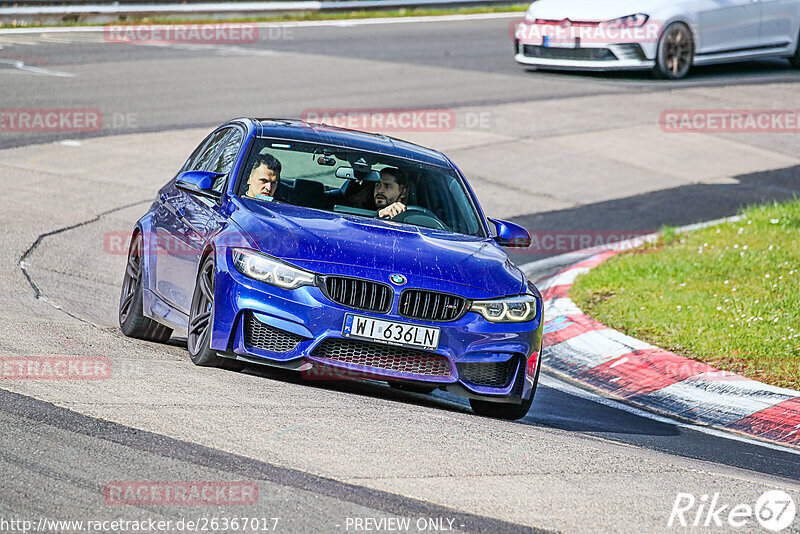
column 201, row 320
column 675, row 52
column 510, row 412
column 132, row 321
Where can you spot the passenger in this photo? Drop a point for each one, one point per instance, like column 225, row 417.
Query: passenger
column 265, row 174
column 390, row 193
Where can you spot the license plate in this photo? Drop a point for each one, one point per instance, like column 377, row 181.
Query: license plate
column 391, row 332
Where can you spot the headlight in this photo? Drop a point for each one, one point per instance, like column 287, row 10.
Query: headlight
column 270, row 270
column 507, row 310
column 631, row 21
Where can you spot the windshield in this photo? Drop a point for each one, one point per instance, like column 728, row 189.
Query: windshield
column 366, row 184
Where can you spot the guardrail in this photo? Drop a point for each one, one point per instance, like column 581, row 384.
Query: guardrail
column 188, row 9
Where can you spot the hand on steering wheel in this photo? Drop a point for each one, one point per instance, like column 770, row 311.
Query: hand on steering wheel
column 392, row 210
column 420, row 216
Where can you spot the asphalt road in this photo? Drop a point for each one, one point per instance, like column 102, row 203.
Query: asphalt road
column 322, row 453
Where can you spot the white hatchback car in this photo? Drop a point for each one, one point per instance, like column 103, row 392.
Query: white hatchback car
column 665, row 36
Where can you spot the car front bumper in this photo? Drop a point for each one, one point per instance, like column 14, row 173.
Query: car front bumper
column 301, row 329
column 598, row 57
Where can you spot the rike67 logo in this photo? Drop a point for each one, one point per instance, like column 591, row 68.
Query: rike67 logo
column 775, row 511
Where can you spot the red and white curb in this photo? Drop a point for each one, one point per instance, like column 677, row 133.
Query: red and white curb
column 589, row 352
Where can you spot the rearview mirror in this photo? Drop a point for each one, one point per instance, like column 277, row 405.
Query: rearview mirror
column 199, row 183
column 511, row 235
column 348, row 173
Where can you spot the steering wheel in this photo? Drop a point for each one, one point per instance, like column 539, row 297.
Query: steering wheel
column 420, row 216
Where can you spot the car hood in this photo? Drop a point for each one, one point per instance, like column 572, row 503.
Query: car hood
column 592, row 10
column 333, row 243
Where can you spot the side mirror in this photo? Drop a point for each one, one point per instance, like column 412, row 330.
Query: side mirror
column 199, row 183
column 511, row 235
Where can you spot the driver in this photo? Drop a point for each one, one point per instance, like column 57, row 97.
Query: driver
column 265, row 173
column 390, row 193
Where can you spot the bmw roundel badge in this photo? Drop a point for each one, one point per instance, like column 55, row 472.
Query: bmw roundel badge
column 398, row 279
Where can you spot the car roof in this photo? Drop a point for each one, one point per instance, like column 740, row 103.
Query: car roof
column 299, row 130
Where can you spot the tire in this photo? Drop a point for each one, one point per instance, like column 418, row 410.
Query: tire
column 501, row 410
column 201, row 320
column 413, row 388
column 675, row 54
column 132, row 321
column 795, row 59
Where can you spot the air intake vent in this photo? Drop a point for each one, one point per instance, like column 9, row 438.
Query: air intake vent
column 490, row 374
column 265, row 337
column 359, row 294
column 383, row 357
column 431, row 306
column 574, row 54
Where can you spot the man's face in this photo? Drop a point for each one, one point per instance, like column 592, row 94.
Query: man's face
column 387, row 191
column 262, row 181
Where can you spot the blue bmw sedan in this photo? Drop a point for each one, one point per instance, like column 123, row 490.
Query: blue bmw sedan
column 320, row 249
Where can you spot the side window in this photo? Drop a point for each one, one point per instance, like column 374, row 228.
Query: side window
column 199, row 164
column 224, row 162
column 189, row 165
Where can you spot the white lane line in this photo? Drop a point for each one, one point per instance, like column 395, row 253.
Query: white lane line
column 20, row 65
column 555, row 383
column 298, row 23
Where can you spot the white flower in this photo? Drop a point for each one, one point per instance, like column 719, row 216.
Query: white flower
column 774, row 221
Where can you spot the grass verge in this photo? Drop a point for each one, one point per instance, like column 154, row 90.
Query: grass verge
column 288, row 17
column 727, row 295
